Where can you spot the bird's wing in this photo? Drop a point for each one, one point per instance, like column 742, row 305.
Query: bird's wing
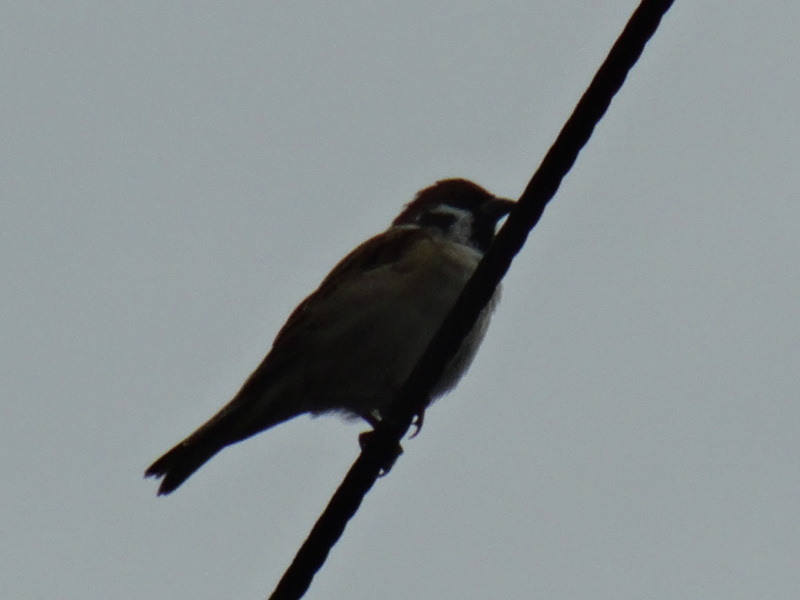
column 386, row 250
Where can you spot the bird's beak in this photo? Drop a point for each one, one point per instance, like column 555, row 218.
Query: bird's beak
column 497, row 208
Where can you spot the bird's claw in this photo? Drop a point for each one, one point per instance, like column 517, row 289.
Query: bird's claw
column 419, row 419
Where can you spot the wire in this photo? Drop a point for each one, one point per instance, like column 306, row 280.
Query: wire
column 382, row 448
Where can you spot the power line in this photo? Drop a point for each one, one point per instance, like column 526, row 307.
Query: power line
column 382, row 447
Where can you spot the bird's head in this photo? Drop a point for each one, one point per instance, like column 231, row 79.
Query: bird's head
column 457, row 209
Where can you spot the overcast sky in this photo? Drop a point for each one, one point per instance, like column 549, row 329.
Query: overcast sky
column 177, row 176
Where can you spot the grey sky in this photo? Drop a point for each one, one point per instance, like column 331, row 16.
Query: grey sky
column 176, row 177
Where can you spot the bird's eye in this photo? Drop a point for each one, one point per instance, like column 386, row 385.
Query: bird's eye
column 438, row 220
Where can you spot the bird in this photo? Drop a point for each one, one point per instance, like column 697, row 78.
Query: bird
column 349, row 346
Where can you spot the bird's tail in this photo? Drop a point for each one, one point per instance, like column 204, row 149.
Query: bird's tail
column 178, row 464
column 243, row 417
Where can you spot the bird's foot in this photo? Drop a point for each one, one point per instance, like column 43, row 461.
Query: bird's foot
column 364, row 440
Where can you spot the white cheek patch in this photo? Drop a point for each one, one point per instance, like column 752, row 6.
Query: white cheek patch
column 460, row 226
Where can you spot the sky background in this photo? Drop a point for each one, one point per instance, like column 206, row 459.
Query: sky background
column 176, row 177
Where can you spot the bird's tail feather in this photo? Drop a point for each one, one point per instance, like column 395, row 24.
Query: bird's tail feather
column 235, row 422
column 178, row 464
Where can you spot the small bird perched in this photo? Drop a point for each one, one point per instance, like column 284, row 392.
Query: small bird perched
column 350, row 346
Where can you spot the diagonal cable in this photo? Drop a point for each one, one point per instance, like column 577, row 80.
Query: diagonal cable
column 383, row 447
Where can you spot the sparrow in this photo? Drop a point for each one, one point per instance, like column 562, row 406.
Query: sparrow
column 349, row 346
